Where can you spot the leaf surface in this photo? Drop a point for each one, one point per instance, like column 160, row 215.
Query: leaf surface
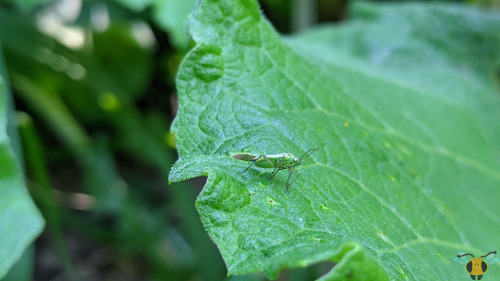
column 405, row 96
column 20, row 221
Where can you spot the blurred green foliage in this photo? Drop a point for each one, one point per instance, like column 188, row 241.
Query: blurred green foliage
column 94, row 83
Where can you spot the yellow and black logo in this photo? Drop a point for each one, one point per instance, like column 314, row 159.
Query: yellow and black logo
column 476, row 266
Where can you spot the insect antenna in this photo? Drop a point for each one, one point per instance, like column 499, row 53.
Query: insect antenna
column 459, row 256
column 309, row 152
column 494, row 252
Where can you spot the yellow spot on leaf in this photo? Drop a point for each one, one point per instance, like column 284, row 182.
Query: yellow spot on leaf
column 271, row 202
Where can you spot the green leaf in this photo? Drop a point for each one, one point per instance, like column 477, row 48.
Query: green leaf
column 406, row 96
column 172, row 15
column 20, row 221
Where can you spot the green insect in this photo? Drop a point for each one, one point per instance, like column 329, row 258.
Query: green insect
column 281, row 161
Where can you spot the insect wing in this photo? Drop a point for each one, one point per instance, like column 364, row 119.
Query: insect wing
column 491, row 259
column 244, row 156
column 461, row 260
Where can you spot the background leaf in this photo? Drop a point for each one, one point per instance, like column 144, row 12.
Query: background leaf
column 169, row 15
column 406, row 95
column 172, row 15
column 98, row 149
column 20, row 221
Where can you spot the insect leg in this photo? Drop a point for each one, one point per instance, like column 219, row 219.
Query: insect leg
column 275, row 171
column 269, row 160
column 247, row 167
column 253, row 162
column 290, row 170
column 276, row 168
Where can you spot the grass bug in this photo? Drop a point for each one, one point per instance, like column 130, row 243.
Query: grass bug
column 278, row 162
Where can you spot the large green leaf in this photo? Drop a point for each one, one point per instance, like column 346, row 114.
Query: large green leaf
column 20, row 221
column 405, row 96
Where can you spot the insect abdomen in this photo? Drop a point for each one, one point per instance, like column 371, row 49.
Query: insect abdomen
column 266, row 163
